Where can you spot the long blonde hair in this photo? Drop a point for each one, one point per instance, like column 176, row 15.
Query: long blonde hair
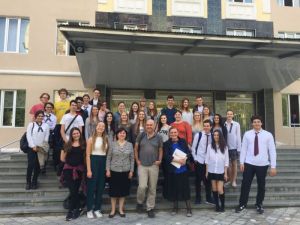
column 104, row 138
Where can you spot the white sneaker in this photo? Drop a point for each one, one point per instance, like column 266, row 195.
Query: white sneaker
column 233, row 184
column 98, row 214
column 90, row 214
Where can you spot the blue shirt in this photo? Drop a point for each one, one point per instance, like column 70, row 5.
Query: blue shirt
column 170, row 113
column 183, row 168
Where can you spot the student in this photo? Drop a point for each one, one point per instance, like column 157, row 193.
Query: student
column 148, row 153
column 86, row 107
column 206, row 115
column 187, row 115
column 163, row 128
column 234, row 145
column 60, row 108
column 121, row 109
column 37, row 136
column 199, row 104
column 110, row 126
column 142, row 105
column 199, row 149
column 217, row 161
column 133, row 112
column 169, row 111
column 103, row 110
column 257, row 154
column 97, row 147
column 119, row 168
column 152, row 111
column 96, row 98
column 184, row 129
column 70, row 120
column 124, row 123
column 91, row 122
column 197, row 125
column 177, row 185
column 44, row 98
column 79, row 110
column 139, row 125
column 218, row 124
column 73, row 158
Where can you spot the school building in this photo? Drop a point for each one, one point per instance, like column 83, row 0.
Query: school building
column 238, row 54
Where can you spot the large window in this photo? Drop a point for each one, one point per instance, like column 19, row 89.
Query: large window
column 240, row 32
column 14, row 34
column 63, row 47
column 290, row 3
column 188, row 8
column 131, row 6
column 12, row 108
column 289, row 35
column 290, row 110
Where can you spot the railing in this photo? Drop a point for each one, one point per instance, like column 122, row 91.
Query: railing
column 10, row 143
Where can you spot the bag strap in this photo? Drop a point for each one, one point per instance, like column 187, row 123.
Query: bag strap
column 71, row 123
column 32, row 128
column 199, row 138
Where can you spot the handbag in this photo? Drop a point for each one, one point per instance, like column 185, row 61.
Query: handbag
column 24, row 142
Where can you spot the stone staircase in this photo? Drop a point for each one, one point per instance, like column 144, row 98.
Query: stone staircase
column 281, row 191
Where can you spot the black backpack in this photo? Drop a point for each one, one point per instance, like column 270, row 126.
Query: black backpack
column 24, row 142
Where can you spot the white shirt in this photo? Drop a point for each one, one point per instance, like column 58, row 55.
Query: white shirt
column 216, row 161
column 87, row 108
column 98, row 147
column 36, row 137
column 67, row 119
column 266, row 146
column 50, row 119
column 200, row 108
column 201, row 152
column 187, row 117
column 233, row 135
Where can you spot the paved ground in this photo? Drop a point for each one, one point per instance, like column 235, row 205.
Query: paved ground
column 279, row 216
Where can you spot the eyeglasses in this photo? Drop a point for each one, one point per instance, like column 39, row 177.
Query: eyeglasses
column 49, row 107
column 79, row 102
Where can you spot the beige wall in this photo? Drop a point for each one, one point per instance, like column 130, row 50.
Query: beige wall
column 285, row 18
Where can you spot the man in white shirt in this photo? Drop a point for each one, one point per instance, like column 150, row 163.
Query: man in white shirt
column 69, row 121
column 233, row 144
column 257, row 153
column 97, row 98
column 199, row 105
column 199, row 150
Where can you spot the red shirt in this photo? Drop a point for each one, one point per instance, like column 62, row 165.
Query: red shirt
column 184, row 131
column 36, row 108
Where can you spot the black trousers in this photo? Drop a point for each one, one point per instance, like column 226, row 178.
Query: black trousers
column 73, row 186
column 57, row 145
column 32, row 167
column 249, row 172
column 200, row 170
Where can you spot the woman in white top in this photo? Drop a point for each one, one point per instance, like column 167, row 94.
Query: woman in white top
column 197, row 125
column 217, row 161
column 96, row 150
column 187, row 115
column 163, row 128
column 91, row 122
column 37, row 136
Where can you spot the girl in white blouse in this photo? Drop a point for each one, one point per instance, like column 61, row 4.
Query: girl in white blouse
column 217, row 161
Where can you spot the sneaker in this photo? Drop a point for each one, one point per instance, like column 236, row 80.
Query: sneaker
column 151, row 213
column 98, row 214
column 259, row 209
column 139, row 208
column 69, row 216
column 90, row 214
column 189, row 213
column 210, row 202
column 240, row 209
column 233, row 184
column 76, row 213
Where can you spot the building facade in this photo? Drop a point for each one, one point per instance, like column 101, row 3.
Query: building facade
column 35, row 57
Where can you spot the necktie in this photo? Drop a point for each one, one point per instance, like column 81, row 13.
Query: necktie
column 256, row 150
column 40, row 127
column 206, row 142
column 230, row 127
column 48, row 118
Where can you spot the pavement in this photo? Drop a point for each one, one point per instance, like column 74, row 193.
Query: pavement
column 278, row 216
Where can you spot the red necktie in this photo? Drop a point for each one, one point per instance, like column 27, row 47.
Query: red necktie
column 256, row 145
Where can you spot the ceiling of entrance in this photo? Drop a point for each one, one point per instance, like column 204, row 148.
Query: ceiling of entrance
column 150, row 60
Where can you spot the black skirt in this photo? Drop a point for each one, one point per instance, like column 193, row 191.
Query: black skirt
column 119, row 184
column 177, row 187
column 216, row 176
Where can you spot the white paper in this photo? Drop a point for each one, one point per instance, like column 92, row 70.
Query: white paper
column 178, row 154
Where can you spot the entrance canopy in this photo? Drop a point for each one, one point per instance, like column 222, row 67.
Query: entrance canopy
column 163, row 60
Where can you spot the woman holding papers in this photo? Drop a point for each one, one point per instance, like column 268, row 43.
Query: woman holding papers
column 217, row 161
column 177, row 188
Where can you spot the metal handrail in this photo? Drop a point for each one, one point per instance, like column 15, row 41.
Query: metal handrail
column 10, row 143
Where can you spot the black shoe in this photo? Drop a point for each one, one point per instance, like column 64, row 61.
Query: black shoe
column 111, row 215
column 28, row 186
column 139, row 208
column 69, row 216
column 259, row 209
column 76, row 213
column 210, row 202
column 197, row 201
column 122, row 214
column 151, row 213
column 240, row 209
column 34, row 186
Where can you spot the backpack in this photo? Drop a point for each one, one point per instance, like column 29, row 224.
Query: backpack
column 24, row 142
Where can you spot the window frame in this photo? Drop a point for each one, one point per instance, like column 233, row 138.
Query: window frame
column 176, row 13
column 244, row 30
column 180, row 29
column 289, row 122
column 285, row 34
column 282, row 3
column 243, row 2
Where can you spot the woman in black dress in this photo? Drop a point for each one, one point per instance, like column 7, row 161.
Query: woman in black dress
column 177, row 186
column 73, row 157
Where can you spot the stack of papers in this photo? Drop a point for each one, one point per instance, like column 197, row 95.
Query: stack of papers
column 178, row 154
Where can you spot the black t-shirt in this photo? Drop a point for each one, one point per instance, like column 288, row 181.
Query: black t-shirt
column 75, row 156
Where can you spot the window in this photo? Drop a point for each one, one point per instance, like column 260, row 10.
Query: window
column 240, row 32
column 242, row 1
column 190, row 30
column 290, row 3
column 12, row 108
column 290, row 110
column 190, row 8
column 63, row 47
column 289, row 35
column 14, row 34
column 131, row 6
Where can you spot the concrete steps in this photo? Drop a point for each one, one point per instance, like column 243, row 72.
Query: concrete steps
column 281, row 191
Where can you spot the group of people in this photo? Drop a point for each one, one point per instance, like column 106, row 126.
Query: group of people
column 92, row 145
